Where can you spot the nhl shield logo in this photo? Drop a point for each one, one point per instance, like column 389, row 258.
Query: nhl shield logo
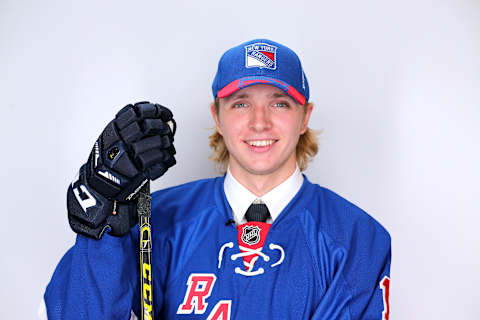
column 251, row 235
column 261, row 55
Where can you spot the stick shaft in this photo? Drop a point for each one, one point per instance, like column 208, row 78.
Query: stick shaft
column 146, row 283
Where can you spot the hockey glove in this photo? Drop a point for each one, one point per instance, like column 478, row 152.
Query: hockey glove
column 134, row 147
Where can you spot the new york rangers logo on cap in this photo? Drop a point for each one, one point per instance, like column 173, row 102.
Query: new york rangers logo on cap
column 261, row 55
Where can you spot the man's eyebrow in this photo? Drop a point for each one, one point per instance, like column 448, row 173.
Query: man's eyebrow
column 279, row 95
column 237, row 96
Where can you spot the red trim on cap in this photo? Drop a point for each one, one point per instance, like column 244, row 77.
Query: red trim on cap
column 234, row 86
column 296, row 95
column 230, row 88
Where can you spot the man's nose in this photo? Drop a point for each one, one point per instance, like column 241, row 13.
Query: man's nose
column 260, row 118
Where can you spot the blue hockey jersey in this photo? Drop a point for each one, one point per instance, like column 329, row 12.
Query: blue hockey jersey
column 322, row 258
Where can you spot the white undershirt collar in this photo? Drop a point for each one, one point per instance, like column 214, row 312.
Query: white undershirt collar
column 276, row 199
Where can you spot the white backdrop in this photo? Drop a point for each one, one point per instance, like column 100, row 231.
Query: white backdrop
column 395, row 87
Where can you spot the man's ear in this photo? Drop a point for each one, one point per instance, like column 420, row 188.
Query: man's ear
column 307, row 117
column 215, row 118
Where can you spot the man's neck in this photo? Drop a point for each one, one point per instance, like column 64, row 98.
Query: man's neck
column 260, row 184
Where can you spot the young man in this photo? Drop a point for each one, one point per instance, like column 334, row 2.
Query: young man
column 260, row 242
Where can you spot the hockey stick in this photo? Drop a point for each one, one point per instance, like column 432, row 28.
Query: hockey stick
column 146, row 284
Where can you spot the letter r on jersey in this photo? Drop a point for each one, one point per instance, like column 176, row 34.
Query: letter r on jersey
column 200, row 287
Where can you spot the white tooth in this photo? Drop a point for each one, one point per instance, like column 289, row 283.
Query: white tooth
column 261, row 143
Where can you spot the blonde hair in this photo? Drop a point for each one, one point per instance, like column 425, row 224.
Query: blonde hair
column 307, row 146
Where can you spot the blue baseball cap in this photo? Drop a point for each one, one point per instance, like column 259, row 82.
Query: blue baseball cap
column 261, row 61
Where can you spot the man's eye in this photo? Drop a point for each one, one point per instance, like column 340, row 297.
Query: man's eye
column 239, row 105
column 281, row 105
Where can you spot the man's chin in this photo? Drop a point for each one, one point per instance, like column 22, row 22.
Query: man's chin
column 264, row 169
column 260, row 167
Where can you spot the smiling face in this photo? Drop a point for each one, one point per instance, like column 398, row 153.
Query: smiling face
column 261, row 126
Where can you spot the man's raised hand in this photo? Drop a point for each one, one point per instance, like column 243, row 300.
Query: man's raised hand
column 134, row 147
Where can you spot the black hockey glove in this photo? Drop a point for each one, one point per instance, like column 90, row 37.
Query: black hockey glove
column 134, row 147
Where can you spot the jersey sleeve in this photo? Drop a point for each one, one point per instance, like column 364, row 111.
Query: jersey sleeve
column 377, row 306
column 367, row 273
column 95, row 279
column 359, row 287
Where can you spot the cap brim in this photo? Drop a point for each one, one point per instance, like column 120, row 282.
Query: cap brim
column 244, row 82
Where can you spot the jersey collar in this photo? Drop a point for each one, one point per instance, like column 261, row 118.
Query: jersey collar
column 240, row 198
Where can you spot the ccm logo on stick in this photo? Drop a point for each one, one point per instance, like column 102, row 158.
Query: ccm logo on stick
column 200, row 286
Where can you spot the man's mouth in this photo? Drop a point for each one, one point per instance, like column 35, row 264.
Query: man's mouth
column 261, row 143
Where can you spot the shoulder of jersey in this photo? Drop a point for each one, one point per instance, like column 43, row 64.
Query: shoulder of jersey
column 340, row 217
column 184, row 201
